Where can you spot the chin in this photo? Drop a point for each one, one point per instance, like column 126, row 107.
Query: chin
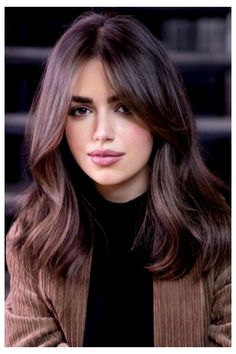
column 107, row 180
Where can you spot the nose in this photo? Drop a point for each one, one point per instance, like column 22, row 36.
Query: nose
column 104, row 128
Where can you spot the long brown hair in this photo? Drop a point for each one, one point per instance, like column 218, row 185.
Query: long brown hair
column 186, row 215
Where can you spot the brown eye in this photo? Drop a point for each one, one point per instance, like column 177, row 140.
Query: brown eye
column 79, row 111
column 124, row 110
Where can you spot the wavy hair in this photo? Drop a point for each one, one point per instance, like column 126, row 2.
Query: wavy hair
column 186, row 215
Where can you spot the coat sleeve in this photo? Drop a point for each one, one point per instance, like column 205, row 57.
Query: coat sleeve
column 28, row 321
column 220, row 328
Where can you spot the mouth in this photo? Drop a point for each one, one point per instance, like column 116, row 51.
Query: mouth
column 105, row 157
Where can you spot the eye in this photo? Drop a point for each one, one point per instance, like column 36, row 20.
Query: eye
column 79, row 111
column 124, row 110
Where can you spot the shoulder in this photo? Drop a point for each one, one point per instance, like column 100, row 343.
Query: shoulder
column 14, row 260
column 11, row 237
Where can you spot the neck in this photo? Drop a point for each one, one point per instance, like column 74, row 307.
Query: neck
column 123, row 192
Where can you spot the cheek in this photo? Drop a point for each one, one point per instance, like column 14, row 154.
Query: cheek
column 141, row 140
column 74, row 137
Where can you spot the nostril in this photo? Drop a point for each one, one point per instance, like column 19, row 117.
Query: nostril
column 103, row 138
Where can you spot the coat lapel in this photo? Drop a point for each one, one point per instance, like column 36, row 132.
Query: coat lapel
column 68, row 302
column 179, row 311
column 76, row 307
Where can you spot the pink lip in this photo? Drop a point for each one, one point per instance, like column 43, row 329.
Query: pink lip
column 105, row 157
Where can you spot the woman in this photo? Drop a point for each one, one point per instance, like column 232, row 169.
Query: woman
column 122, row 238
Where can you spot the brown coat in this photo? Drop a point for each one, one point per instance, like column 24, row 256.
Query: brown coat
column 187, row 312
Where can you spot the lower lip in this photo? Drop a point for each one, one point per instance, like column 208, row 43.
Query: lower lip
column 105, row 160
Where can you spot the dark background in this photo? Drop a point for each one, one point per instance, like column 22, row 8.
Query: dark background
column 197, row 39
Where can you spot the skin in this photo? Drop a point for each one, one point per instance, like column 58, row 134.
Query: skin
column 107, row 124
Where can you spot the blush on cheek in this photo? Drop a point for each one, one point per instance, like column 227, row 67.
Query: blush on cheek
column 140, row 135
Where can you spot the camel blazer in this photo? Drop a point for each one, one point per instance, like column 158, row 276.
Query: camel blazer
column 187, row 312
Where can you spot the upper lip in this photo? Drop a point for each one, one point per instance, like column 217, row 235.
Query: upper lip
column 104, row 153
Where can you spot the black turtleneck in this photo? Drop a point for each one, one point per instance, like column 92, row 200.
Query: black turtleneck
column 120, row 302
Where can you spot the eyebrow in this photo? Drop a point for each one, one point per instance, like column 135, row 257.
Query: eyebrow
column 82, row 99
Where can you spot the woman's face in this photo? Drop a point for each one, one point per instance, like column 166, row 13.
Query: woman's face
column 110, row 143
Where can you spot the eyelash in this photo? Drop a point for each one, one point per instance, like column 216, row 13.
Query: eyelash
column 73, row 110
column 76, row 108
column 127, row 113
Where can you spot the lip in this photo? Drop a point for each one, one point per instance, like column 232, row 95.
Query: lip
column 105, row 157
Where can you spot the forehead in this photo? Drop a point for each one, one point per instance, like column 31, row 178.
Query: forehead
column 91, row 79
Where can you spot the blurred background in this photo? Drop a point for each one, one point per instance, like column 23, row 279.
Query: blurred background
column 198, row 40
